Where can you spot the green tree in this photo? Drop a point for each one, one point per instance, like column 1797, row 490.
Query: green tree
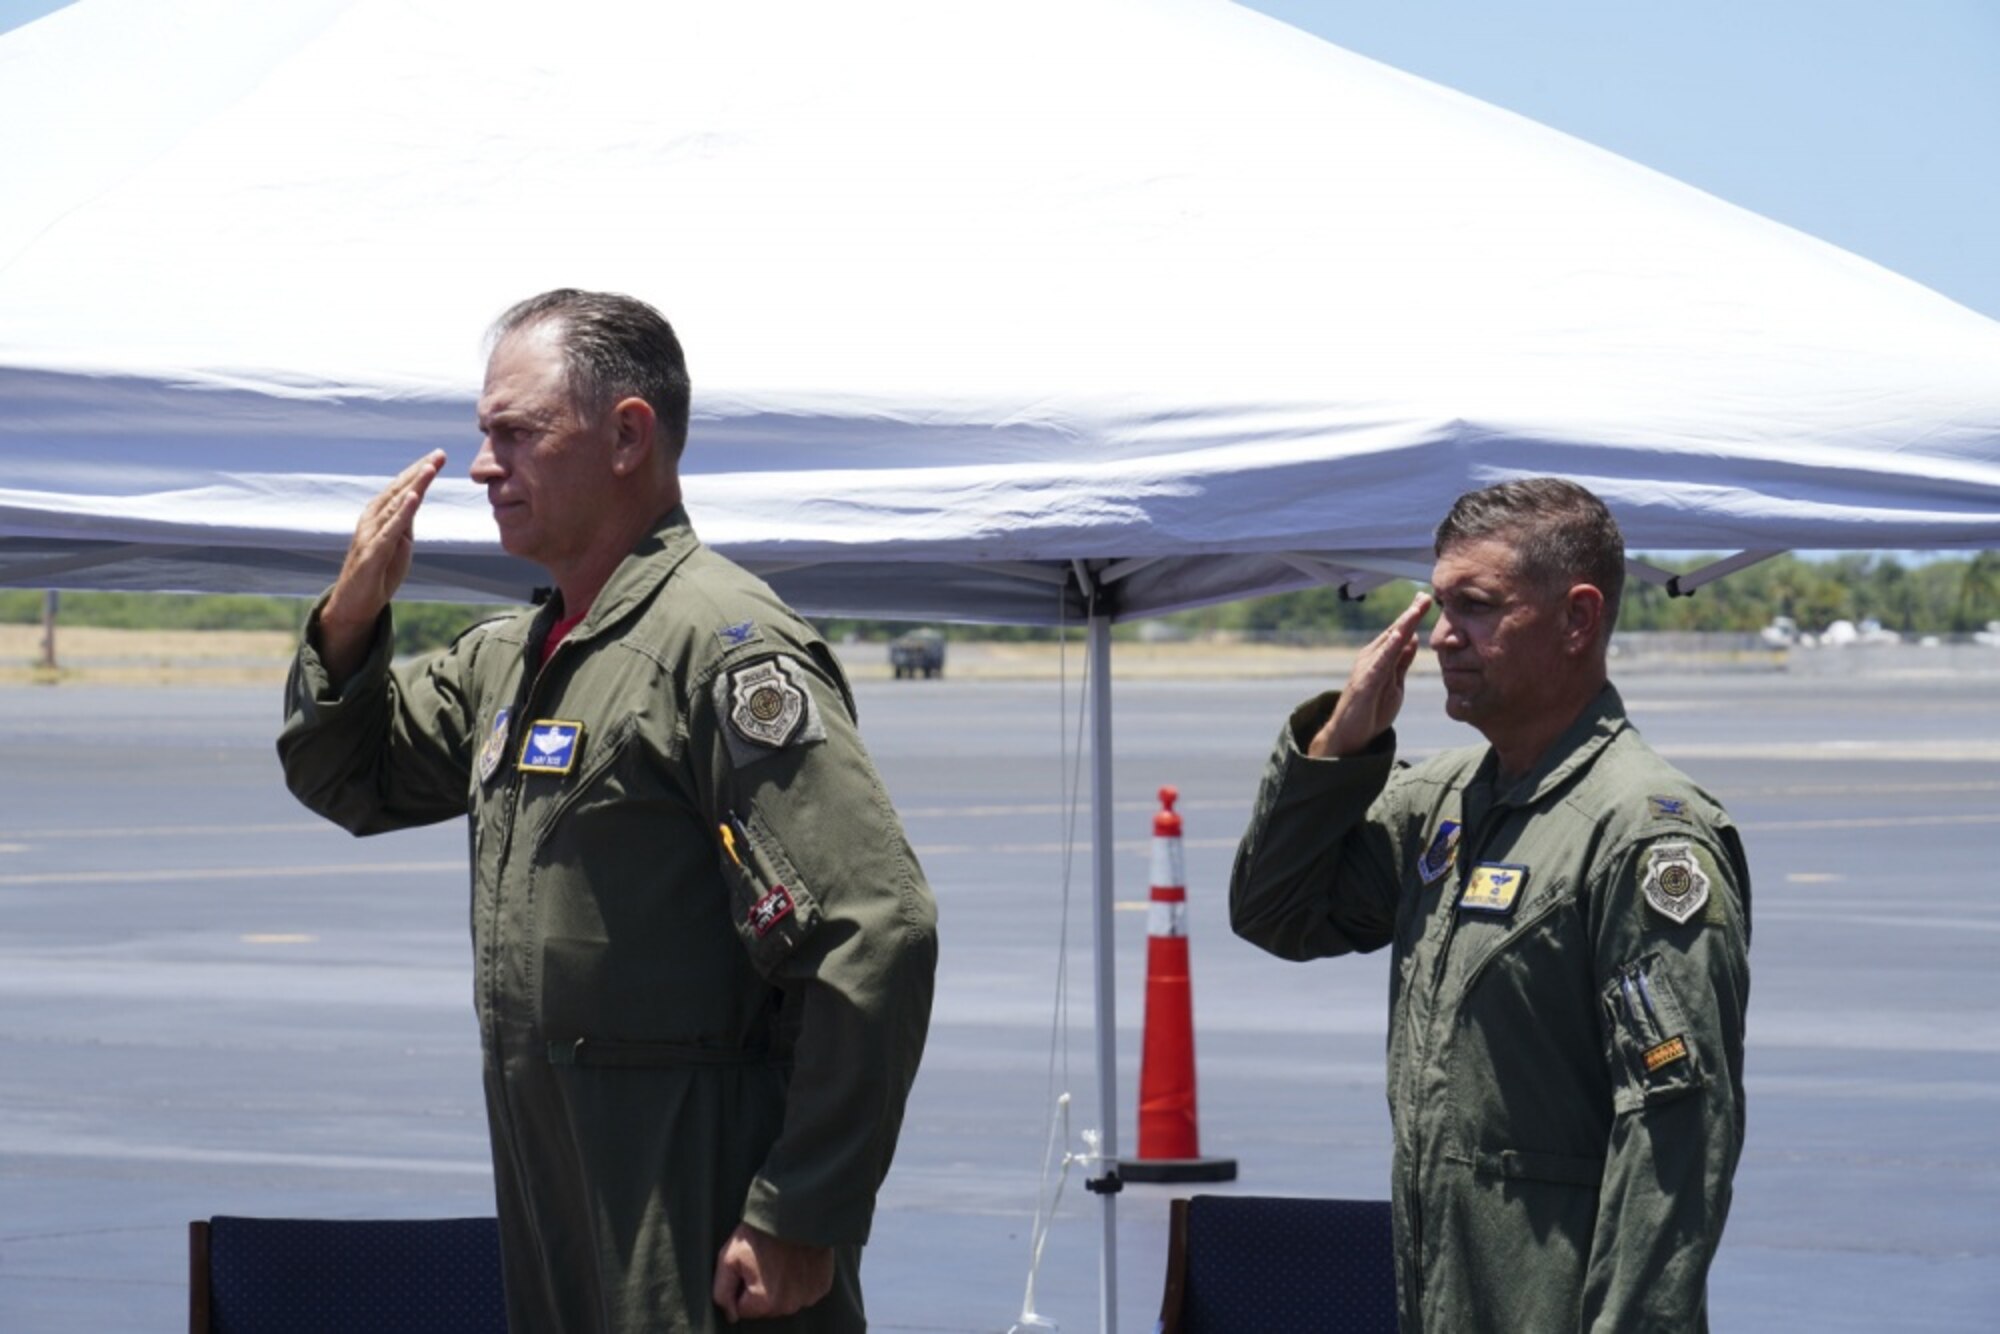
column 1978, row 599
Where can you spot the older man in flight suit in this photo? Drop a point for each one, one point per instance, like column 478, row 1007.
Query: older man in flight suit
column 703, row 948
column 1569, row 918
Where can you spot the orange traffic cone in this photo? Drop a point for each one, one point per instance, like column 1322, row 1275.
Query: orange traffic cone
column 1169, row 1133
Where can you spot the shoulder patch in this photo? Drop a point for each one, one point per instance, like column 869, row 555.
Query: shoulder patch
column 765, row 710
column 1671, row 808
column 1673, row 882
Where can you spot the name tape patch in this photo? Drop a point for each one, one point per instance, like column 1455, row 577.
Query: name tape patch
column 551, row 747
column 1495, row 887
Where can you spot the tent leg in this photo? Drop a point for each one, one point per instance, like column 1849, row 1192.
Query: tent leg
column 1105, row 940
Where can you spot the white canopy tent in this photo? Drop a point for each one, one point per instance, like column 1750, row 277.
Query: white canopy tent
column 1057, row 310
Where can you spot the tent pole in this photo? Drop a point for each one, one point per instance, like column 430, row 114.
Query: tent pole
column 1105, row 940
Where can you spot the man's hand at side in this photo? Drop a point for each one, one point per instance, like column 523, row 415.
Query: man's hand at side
column 378, row 560
column 760, row 1275
column 1374, row 693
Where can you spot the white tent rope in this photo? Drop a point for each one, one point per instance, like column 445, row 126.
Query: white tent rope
column 1058, row 1164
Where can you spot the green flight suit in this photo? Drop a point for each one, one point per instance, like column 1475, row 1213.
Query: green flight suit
column 681, row 1029
column 1566, row 1005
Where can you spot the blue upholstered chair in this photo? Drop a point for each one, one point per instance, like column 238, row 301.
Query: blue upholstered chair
column 339, row 1276
column 1249, row 1264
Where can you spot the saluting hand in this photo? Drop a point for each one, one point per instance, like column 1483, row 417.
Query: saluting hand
column 759, row 1275
column 1374, row 693
column 378, row 560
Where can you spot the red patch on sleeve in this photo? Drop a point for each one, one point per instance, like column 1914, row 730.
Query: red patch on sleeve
column 770, row 910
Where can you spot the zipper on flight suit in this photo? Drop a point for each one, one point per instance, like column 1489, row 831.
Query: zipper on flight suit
column 1471, row 847
column 511, row 786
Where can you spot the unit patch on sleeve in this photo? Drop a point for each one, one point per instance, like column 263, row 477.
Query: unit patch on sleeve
column 1674, row 882
column 1495, row 887
column 765, row 710
column 551, row 747
column 764, row 705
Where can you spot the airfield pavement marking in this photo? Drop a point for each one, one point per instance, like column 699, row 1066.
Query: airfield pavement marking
column 165, row 831
column 1849, row 789
column 1126, row 846
column 36, row 1144
column 1766, row 915
column 21, row 840
column 1873, row 822
column 225, row 873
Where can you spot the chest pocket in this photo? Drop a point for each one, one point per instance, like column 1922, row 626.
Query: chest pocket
column 547, row 797
column 1521, row 938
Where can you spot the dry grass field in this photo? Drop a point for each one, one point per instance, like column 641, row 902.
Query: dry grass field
column 86, row 655
column 89, row 656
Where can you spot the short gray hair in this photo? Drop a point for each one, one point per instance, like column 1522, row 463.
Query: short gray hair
column 1560, row 533
column 613, row 347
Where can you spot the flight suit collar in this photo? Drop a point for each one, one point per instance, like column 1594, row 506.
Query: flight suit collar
column 658, row 554
column 1570, row 754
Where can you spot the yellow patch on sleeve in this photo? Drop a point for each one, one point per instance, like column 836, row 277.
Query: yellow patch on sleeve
column 1673, row 1049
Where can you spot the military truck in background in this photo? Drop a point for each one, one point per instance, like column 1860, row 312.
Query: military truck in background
column 918, row 653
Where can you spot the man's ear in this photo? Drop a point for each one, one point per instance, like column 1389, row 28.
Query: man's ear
column 637, row 435
column 1583, row 618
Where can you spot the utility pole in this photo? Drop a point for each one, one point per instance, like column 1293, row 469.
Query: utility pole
column 49, row 599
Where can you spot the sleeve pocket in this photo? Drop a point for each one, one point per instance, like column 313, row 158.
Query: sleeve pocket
column 1651, row 1047
column 773, row 910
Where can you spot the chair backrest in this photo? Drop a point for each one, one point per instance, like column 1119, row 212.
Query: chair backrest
column 1251, row 1264
column 337, row 1276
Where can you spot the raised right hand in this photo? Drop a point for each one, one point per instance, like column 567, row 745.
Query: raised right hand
column 1374, row 693
column 378, row 560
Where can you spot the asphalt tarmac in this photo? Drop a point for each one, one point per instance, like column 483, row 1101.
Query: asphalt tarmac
column 212, row 1003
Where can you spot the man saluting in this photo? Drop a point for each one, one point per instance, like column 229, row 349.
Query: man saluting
column 703, row 948
column 1569, row 918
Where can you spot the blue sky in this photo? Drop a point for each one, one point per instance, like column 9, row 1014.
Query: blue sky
column 1873, row 124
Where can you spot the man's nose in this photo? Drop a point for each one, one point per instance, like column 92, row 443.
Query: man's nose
column 1442, row 631
column 485, row 467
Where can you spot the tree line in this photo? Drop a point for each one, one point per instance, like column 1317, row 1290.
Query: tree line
column 1947, row 596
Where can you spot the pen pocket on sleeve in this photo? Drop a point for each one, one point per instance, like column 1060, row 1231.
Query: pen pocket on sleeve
column 771, row 906
column 1652, row 1052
